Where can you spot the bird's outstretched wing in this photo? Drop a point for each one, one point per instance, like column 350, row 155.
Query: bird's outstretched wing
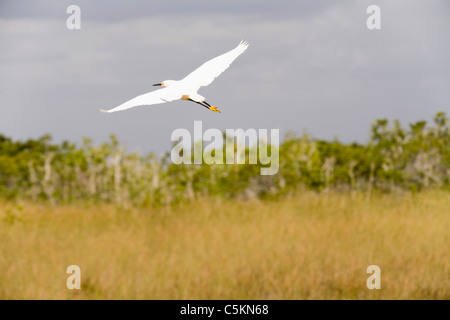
column 154, row 97
column 207, row 72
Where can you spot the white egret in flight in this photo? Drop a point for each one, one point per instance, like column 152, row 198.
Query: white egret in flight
column 186, row 89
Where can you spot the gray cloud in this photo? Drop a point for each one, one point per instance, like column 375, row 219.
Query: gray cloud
column 313, row 67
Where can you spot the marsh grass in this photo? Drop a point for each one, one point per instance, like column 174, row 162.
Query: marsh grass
column 305, row 247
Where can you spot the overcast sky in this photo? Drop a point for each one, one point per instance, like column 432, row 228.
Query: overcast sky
column 312, row 66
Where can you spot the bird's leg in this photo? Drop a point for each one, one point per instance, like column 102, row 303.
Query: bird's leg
column 206, row 105
column 210, row 107
column 199, row 103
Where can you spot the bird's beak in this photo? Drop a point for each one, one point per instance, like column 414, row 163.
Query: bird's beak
column 157, row 84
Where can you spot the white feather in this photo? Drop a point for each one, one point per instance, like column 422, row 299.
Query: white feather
column 188, row 86
column 154, row 97
column 207, row 72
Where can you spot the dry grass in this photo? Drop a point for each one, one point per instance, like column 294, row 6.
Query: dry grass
column 308, row 247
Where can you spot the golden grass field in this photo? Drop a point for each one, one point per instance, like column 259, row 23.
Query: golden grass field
column 306, row 247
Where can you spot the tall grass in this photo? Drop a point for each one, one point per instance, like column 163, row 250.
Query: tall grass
column 307, row 246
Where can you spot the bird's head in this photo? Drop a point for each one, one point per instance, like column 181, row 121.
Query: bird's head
column 165, row 83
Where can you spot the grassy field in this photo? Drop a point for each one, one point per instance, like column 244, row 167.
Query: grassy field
column 306, row 247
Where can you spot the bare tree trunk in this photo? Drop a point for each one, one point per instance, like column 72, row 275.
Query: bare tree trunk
column 371, row 179
column 46, row 182
column 34, row 182
column 117, row 177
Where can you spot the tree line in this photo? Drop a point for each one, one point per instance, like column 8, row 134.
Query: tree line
column 395, row 158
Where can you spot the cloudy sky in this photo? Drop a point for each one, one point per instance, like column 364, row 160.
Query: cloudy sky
column 312, row 66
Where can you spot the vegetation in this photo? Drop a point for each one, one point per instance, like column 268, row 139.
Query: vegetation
column 311, row 246
column 395, row 158
column 141, row 227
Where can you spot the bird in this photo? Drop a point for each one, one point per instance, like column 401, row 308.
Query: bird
column 186, row 88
